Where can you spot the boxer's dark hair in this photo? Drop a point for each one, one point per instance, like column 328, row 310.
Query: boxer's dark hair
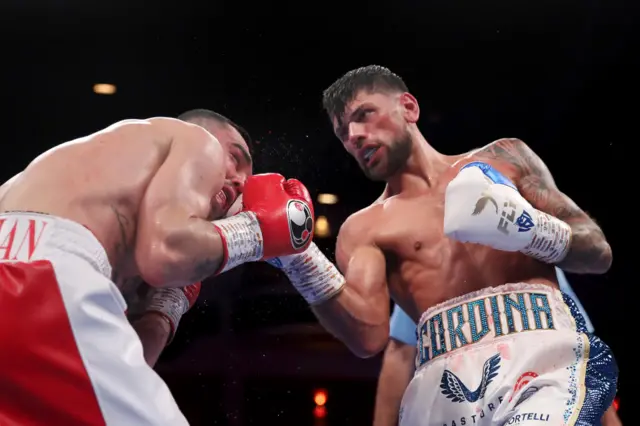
column 372, row 78
column 206, row 114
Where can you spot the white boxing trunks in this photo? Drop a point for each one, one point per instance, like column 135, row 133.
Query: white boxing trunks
column 69, row 356
column 517, row 354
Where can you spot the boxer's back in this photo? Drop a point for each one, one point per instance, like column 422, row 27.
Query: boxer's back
column 424, row 267
column 97, row 181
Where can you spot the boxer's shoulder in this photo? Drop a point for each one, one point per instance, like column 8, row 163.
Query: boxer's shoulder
column 509, row 156
column 165, row 128
column 359, row 228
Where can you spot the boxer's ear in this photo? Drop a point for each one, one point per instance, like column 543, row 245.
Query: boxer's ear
column 410, row 107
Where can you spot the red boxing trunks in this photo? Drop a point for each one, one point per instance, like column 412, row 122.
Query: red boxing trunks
column 69, row 355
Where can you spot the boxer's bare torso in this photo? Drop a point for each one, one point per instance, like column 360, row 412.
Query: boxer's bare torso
column 423, row 266
column 100, row 180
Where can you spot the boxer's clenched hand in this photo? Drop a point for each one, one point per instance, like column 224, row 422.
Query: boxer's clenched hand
column 276, row 220
column 312, row 274
column 173, row 303
column 482, row 206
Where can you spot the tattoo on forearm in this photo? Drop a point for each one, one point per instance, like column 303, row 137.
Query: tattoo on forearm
column 205, row 268
column 589, row 248
column 201, row 269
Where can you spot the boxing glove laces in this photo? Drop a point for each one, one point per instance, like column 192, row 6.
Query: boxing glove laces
column 482, row 206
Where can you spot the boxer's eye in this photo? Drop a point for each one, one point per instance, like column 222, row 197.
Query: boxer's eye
column 365, row 114
column 235, row 159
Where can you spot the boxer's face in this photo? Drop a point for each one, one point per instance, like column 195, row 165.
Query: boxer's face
column 238, row 166
column 375, row 131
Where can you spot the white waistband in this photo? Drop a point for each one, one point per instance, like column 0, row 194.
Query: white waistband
column 27, row 236
column 488, row 314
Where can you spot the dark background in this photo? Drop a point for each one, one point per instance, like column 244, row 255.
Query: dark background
column 559, row 75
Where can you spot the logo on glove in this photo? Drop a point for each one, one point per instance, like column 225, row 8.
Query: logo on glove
column 300, row 223
column 524, row 222
column 482, row 203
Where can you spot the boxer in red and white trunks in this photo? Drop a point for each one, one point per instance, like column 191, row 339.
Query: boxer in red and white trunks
column 467, row 245
column 140, row 198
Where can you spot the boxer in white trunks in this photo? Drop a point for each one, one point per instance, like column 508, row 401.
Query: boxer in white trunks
column 140, row 198
column 467, row 246
column 398, row 363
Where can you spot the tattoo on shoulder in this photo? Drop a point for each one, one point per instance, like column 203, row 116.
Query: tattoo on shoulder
column 534, row 180
column 516, row 153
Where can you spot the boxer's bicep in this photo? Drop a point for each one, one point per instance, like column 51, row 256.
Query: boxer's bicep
column 361, row 262
column 364, row 268
column 536, row 184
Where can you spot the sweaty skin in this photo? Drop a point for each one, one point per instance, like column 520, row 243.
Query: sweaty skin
column 146, row 189
column 397, row 248
column 423, row 266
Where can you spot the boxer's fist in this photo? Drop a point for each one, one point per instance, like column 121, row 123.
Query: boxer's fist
column 284, row 210
column 482, row 206
column 173, row 303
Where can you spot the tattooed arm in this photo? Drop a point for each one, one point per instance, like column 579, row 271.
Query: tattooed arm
column 589, row 251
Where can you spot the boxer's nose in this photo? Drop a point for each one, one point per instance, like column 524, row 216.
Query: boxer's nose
column 238, row 183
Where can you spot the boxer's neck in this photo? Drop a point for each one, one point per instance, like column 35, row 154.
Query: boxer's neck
column 422, row 169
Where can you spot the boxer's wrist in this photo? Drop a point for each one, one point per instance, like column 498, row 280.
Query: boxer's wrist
column 551, row 239
column 157, row 324
column 241, row 238
column 313, row 275
column 169, row 304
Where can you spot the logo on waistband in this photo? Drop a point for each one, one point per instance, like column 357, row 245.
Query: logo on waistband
column 453, row 388
column 523, row 381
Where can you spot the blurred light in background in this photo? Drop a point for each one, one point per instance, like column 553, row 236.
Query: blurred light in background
column 616, row 403
column 327, row 198
column 320, row 411
column 320, row 397
column 104, row 89
column 322, row 227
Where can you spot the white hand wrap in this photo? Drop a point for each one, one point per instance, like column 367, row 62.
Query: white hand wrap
column 482, row 206
column 242, row 239
column 170, row 302
column 312, row 274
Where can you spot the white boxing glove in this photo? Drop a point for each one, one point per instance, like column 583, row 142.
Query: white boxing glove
column 482, row 206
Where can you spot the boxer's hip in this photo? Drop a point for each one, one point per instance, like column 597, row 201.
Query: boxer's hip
column 74, row 358
column 30, row 237
column 484, row 357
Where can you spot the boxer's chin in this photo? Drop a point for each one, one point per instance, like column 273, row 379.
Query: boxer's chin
column 235, row 207
column 377, row 172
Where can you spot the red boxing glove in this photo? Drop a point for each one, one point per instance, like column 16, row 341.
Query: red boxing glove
column 276, row 220
column 173, row 303
column 284, row 210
